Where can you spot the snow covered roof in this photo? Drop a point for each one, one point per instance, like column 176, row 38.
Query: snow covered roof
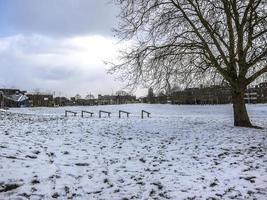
column 16, row 97
column 39, row 93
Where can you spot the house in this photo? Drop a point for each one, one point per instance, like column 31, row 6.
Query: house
column 143, row 99
column 262, row 92
column 218, row 95
column 115, row 99
column 251, row 95
column 40, row 99
column 62, row 101
column 204, row 95
column 106, row 99
column 13, row 98
column 89, row 100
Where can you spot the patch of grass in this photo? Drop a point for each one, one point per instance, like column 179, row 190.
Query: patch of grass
column 9, row 186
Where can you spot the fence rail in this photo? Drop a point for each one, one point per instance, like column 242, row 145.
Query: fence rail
column 68, row 111
column 142, row 114
column 122, row 111
column 84, row 111
column 102, row 111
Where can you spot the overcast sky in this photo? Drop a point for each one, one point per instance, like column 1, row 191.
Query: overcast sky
column 58, row 45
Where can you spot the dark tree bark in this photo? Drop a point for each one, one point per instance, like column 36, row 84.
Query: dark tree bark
column 241, row 117
column 194, row 42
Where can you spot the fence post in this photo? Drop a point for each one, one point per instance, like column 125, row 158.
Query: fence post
column 142, row 114
column 121, row 111
column 100, row 111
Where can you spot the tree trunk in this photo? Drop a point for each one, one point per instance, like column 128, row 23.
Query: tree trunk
column 241, row 117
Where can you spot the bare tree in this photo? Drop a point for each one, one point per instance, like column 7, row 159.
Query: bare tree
column 89, row 96
column 121, row 93
column 194, row 40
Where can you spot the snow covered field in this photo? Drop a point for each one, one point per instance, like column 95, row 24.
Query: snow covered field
column 181, row 152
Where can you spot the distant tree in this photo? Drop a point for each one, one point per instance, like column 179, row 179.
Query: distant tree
column 161, row 97
column 176, row 88
column 194, row 41
column 161, row 94
column 89, row 96
column 121, row 93
column 1, row 99
column 77, row 96
column 150, row 95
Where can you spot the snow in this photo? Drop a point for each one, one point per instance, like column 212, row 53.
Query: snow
column 181, row 152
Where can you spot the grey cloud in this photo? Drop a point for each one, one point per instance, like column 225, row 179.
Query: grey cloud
column 36, row 51
column 54, row 74
column 20, row 67
column 25, row 75
column 60, row 17
column 38, row 44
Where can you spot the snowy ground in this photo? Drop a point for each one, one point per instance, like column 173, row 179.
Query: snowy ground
column 181, row 152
